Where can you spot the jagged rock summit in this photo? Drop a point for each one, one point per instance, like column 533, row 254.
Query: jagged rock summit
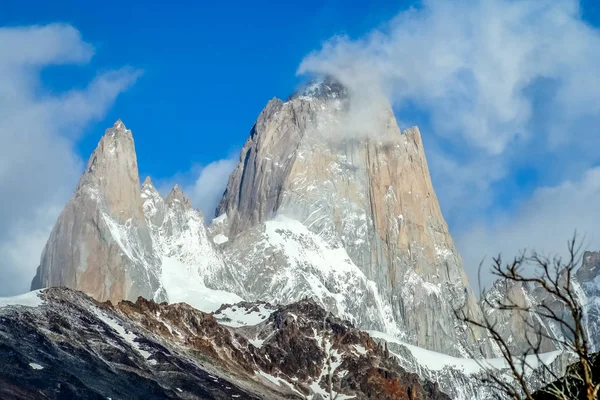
column 363, row 188
column 323, row 88
column 101, row 243
column 116, row 240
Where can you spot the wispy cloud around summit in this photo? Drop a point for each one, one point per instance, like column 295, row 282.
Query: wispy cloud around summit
column 39, row 166
column 473, row 64
column 505, row 86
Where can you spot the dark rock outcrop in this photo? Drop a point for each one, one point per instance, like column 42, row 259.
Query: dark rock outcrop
column 60, row 343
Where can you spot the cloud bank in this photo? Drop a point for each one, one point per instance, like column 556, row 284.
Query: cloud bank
column 39, row 166
column 207, row 189
column 509, row 90
column 544, row 222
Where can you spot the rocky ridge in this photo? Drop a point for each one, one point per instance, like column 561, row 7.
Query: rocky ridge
column 59, row 342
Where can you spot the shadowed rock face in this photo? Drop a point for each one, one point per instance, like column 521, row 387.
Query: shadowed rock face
column 364, row 188
column 590, row 268
column 101, row 243
column 70, row 346
column 517, row 327
column 571, row 385
column 588, row 277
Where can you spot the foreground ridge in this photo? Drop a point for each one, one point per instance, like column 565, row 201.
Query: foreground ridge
column 59, row 342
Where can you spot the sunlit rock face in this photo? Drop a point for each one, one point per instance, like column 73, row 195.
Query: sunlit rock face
column 362, row 186
column 101, row 243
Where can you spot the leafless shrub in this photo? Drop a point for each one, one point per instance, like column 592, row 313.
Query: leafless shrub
column 555, row 276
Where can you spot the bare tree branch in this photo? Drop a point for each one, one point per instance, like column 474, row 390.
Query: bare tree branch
column 556, row 320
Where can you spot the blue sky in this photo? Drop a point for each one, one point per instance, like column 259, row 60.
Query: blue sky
column 208, row 67
column 506, row 94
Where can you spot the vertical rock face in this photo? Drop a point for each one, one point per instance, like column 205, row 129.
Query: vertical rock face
column 517, row 327
column 364, row 187
column 101, row 243
column 588, row 277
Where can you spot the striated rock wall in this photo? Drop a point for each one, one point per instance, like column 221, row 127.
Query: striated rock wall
column 101, row 243
column 368, row 193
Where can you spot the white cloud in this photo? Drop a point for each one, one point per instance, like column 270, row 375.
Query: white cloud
column 208, row 187
column 471, row 63
column 39, row 166
column 544, row 223
column 505, row 85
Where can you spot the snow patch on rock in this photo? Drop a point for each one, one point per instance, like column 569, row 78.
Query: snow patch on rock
column 126, row 335
column 237, row 315
column 30, row 299
column 435, row 361
column 35, row 366
column 220, row 239
column 183, row 283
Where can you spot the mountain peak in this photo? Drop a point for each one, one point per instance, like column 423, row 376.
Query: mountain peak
column 118, row 126
column 115, row 259
column 177, row 196
column 322, row 87
column 118, row 131
column 590, row 266
column 360, row 186
column 147, row 182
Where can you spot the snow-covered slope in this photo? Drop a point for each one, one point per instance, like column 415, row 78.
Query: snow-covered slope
column 281, row 261
column 178, row 230
column 30, row 299
column 461, row 378
column 183, row 284
column 193, row 268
